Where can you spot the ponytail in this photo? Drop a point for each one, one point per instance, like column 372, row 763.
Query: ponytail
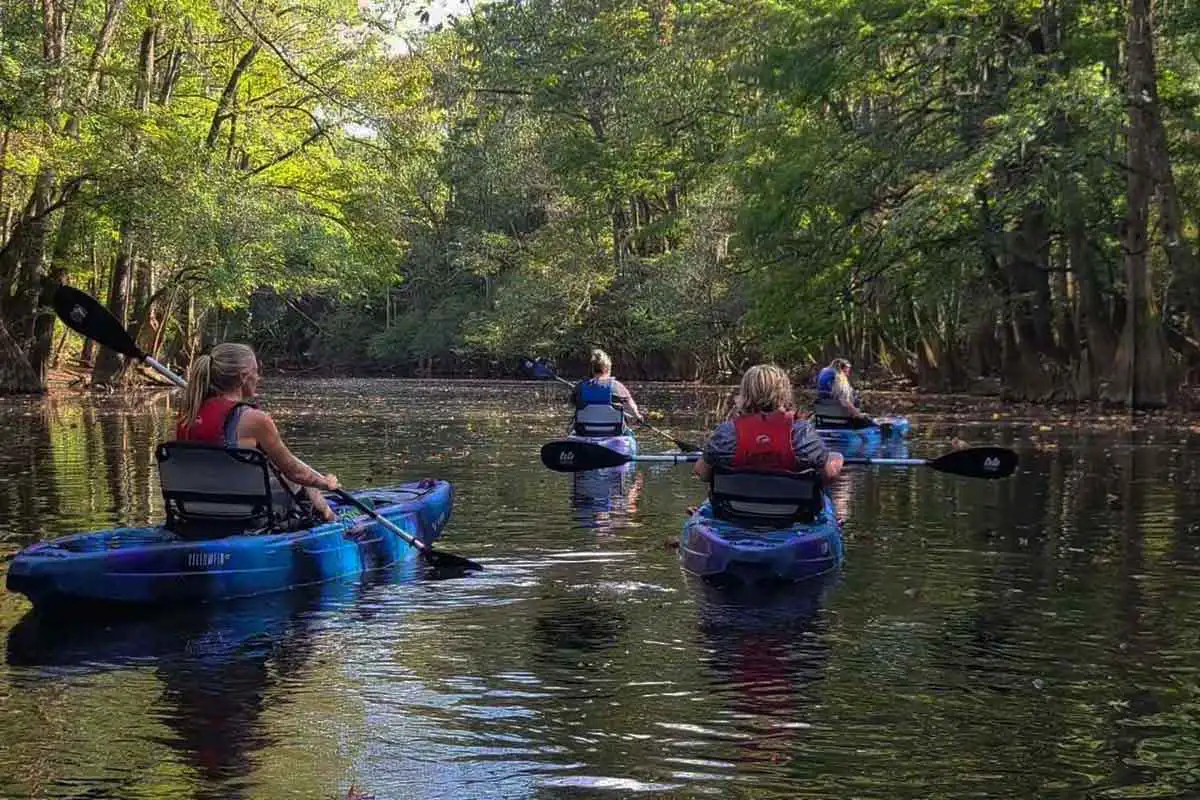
column 601, row 363
column 198, row 377
column 223, row 369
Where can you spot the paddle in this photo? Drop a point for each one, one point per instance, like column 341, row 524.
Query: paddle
column 436, row 558
column 973, row 462
column 84, row 314
column 572, row 455
column 531, row 368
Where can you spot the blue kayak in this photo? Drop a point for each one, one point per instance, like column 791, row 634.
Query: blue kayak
column 716, row 549
column 886, row 430
column 151, row 565
column 858, row 447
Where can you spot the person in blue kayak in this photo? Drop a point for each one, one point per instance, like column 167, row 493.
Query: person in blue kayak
column 218, row 409
column 764, row 434
column 602, row 402
column 837, row 402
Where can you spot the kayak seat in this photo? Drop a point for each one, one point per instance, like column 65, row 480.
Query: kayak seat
column 211, row 491
column 766, row 499
column 598, row 419
column 830, row 414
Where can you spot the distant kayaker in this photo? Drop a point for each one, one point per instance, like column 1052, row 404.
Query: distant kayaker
column 836, row 398
column 218, row 409
column 764, row 433
column 602, row 402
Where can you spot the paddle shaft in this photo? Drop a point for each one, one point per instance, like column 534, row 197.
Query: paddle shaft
column 381, row 519
column 668, row 458
column 158, row 367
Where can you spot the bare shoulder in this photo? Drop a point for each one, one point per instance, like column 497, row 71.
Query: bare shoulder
column 255, row 420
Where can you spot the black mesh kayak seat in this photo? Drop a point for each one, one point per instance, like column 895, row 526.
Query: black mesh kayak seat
column 828, row 414
column 766, row 499
column 211, row 491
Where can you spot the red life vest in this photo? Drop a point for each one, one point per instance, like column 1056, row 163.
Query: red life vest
column 210, row 424
column 764, row 442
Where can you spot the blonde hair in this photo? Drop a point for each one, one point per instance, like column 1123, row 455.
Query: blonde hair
column 765, row 388
column 222, row 369
column 601, row 363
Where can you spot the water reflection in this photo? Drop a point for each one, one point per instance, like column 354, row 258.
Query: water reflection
column 1033, row 637
column 766, row 651
column 606, row 499
column 216, row 666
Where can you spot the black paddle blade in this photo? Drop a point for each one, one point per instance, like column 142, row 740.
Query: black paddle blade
column 687, row 447
column 566, row 455
column 441, row 560
column 83, row 314
column 537, row 369
column 978, row 462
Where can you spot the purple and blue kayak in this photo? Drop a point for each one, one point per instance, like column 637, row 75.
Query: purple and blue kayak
column 722, row 551
column 151, row 565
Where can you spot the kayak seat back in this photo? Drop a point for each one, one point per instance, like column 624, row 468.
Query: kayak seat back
column 597, row 419
column 766, row 499
column 211, row 491
column 830, row 414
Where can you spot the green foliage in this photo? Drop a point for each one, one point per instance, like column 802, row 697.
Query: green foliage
column 687, row 186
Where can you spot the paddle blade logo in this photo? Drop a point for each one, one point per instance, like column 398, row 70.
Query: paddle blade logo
column 566, row 457
column 78, row 314
column 991, row 463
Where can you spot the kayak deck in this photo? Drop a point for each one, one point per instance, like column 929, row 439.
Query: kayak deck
column 722, row 551
column 153, row 565
column 889, row 429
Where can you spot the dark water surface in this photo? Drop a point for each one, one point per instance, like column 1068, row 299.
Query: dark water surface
column 1036, row 637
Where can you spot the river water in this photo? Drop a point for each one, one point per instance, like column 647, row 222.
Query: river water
column 1034, row 637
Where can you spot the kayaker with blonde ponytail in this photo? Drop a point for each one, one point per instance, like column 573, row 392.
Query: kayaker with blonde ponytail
column 217, row 409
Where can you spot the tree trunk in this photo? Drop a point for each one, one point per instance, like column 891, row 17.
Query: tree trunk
column 110, row 367
column 1138, row 380
column 226, row 103
column 110, row 364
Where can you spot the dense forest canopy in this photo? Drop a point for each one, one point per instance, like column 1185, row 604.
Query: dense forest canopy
column 949, row 190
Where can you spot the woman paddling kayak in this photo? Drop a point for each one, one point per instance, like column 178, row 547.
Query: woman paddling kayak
column 837, row 402
column 218, row 410
column 602, row 401
column 764, row 434
column 767, row 517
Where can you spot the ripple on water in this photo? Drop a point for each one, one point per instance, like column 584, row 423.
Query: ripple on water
column 1036, row 637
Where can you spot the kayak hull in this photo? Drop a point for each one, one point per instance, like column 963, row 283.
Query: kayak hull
column 721, row 551
column 889, row 430
column 150, row 565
